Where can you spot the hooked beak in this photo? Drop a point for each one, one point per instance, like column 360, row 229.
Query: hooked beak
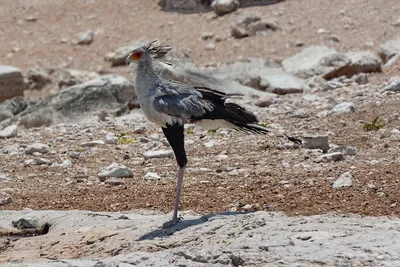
column 128, row 60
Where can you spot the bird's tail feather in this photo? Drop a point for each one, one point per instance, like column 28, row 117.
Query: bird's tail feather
column 258, row 129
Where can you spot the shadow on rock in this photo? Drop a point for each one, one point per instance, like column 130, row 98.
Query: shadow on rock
column 159, row 233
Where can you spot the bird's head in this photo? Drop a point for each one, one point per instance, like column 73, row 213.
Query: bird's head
column 147, row 52
column 137, row 54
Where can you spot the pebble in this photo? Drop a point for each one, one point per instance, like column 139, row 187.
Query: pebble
column 5, row 201
column 210, row 46
column 221, row 157
column 110, row 138
column 76, row 155
column 115, row 170
column 9, row 132
column 151, row 176
column 4, row 177
column 206, row 35
column 342, row 108
column 86, row 38
column 346, row 150
column 37, row 147
column 92, row 143
column 344, row 180
column 25, row 223
column 335, row 156
column 209, row 144
column 66, row 163
column 158, row 154
column 37, row 161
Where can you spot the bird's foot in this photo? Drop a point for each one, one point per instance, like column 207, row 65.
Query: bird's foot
column 171, row 223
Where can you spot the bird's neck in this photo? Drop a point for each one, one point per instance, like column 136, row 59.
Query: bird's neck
column 146, row 77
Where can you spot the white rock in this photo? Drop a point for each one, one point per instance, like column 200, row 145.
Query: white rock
column 346, row 150
column 86, row 38
column 152, row 176
column 345, row 107
column 335, row 156
column 37, row 161
column 3, row 177
column 158, row 154
column 110, row 138
column 115, row 170
column 389, row 49
column 92, row 143
column 344, row 180
column 221, row 157
column 66, row 163
column 209, row 144
column 210, row 46
column 222, row 7
column 9, row 132
column 37, row 147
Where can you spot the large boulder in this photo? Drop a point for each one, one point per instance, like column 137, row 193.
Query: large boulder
column 316, row 60
column 11, row 82
column 75, row 102
column 185, row 6
column 12, row 107
column 389, row 49
column 105, row 92
column 117, row 58
column 361, row 62
column 262, row 75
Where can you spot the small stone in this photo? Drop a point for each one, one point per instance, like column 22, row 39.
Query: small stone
column 66, row 163
column 210, row 46
column 151, row 176
column 92, row 143
column 9, row 132
column 110, row 138
column 221, row 157
column 321, row 31
column 86, row 38
column 296, row 43
column 37, row 161
column 346, row 150
column 37, row 147
column 222, row 7
column 333, row 38
column 316, row 142
column 5, row 201
column 4, row 177
column 335, row 156
column 300, row 113
column 115, row 170
column 206, row 35
column 342, row 108
column 209, row 144
column 25, row 223
column 344, row 180
column 76, row 155
column 158, row 154
column 31, row 18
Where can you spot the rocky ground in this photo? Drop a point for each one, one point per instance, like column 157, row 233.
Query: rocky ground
column 71, row 144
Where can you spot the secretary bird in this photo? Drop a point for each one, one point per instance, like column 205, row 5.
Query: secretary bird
column 170, row 105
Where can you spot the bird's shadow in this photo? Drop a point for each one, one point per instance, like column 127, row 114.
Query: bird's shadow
column 159, row 233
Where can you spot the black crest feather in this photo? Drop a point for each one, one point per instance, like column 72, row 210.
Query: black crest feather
column 157, row 51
